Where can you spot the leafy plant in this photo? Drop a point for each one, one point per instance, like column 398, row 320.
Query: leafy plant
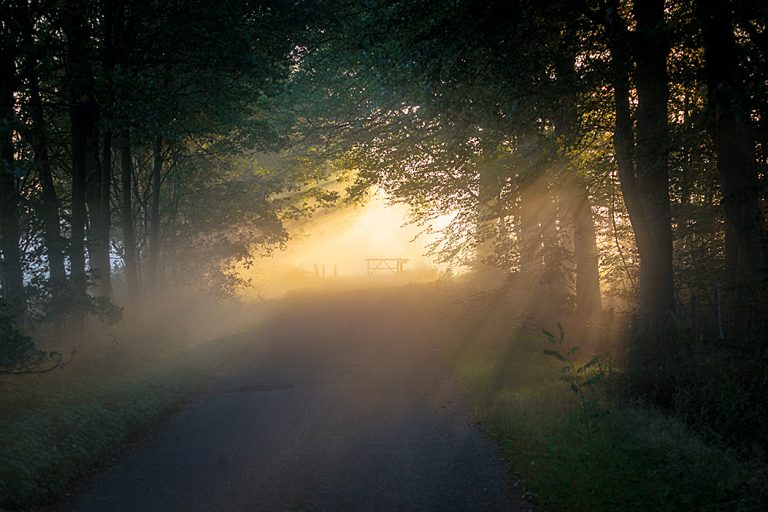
column 18, row 353
column 580, row 376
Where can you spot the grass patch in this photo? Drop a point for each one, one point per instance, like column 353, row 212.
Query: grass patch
column 59, row 427
column 634, row 458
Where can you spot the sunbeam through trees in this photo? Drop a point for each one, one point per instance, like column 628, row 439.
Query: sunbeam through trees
column 175, row 177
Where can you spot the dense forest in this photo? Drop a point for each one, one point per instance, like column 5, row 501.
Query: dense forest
column 603, row 162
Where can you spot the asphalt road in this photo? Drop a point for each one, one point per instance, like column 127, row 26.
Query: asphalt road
column 342, row 405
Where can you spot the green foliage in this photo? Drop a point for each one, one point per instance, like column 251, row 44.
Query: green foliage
column 203, row 81
column 408, row 96
column 104, row 310
column 18, row 353
column 722, row 393
column 582, row 377
column 226, row 213
column 43, row 450
column 639, row 458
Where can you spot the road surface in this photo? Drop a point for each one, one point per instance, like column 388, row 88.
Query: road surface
column 342, row 405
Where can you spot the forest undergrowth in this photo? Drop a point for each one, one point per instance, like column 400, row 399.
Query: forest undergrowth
column 577, row 439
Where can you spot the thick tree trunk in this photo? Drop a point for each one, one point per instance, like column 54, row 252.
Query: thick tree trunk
column 79, row 117
column 154, row 215
column 96, row 244
column 84, row 115
column 643, row 175
column 730, row 129
column 49, row 207
column 651, row 157
column 126, row 216
column 11, row 270
column 99, row 213
column 104, row 206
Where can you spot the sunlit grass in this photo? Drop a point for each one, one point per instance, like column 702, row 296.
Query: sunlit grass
column 636, row 459
column 633, row 459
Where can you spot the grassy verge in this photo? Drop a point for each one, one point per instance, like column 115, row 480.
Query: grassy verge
column 633, row 458
column 56, row 428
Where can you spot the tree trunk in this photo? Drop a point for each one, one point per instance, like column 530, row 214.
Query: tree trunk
column 84, row 115
column 575, row 210
column 99, row 213
column 105, row 207
column 174, row 192
column 96, row 245
column 588, row 302
column 11, row 270
column 49, row 207
column 105, row 179
column 730, row 129
column 154, row 215
column 656, row 273
column 643, row 175
column 126, row 216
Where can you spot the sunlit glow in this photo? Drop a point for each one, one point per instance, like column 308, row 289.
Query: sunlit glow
column 335, row 245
